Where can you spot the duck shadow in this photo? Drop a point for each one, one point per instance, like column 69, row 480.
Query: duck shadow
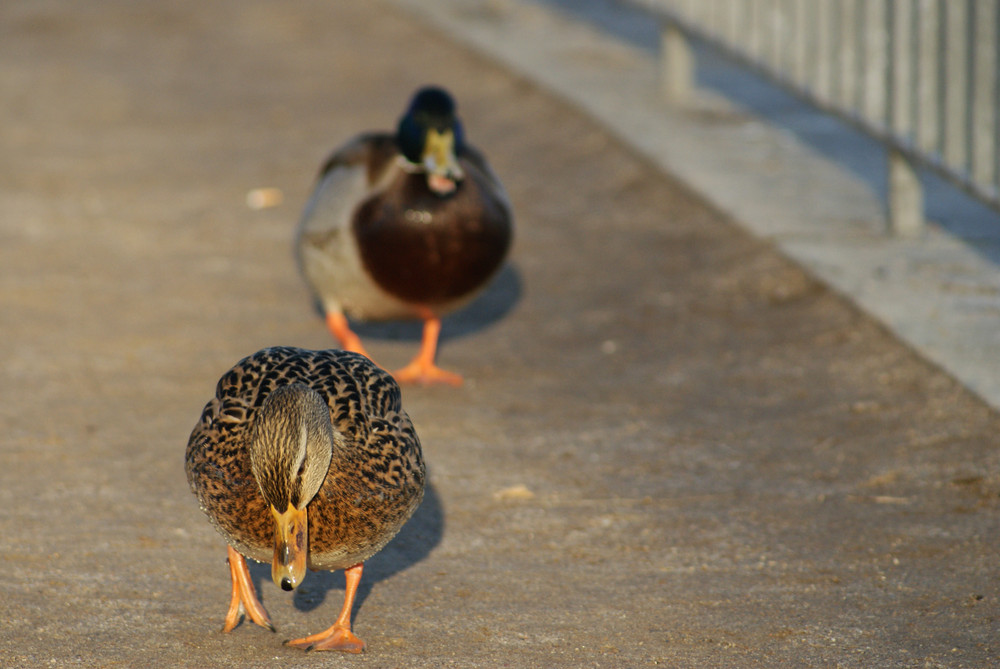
column 419, row 536
column 490, row 306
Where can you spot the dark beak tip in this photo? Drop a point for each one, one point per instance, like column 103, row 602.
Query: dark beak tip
column 286, row 585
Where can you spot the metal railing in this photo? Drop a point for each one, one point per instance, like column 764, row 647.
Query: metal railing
column 921, row 76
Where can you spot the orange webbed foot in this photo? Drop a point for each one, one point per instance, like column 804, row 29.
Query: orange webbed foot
column 335, row 638
column 422, row 368
column 426, row 374
column 339, row 636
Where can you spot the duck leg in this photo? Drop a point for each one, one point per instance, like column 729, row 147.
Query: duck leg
column 244, row 595
column 339, row 636
column 422, row 368
column 336, row 322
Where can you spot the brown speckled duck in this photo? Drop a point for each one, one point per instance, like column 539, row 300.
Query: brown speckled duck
column 405, row 226
column 304, row 458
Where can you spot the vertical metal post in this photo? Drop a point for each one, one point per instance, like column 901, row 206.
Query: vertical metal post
column 995, row 52
column 957, row 87
column 676, row 65
column 941, row 95
column 970, row 88
column 906, row 198
column 982, row 70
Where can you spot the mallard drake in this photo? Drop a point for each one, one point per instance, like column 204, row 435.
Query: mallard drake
column 304, row 458
column 410, row 225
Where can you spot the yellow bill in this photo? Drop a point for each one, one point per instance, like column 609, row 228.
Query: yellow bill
column 440, row 161
column 291, row 547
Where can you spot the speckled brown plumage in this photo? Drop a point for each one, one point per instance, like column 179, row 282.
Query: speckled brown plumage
column 374, row 483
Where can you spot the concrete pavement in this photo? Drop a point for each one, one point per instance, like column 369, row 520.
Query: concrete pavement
column 674, row 447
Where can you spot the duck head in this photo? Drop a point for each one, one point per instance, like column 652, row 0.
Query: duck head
column 430, row 138
column 291, row 445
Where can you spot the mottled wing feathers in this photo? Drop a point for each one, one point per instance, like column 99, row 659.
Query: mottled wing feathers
column 373, row 485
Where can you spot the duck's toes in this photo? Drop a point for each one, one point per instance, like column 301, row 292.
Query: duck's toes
column 335, row 638
column 244, row 596
column 426, row 374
